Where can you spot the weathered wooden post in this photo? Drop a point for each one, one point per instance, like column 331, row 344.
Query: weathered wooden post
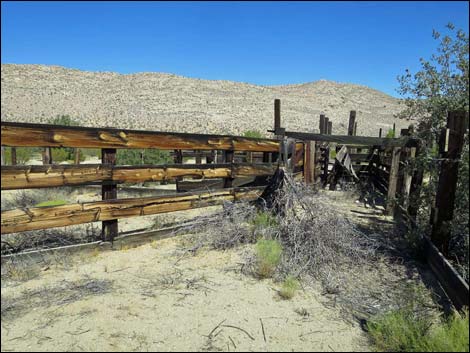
column 279, row 132
column 13, row 156
column 77, row 155
column 450, row 148
column 3, row 155
column 352, row 121
column 198, row 156
column 109, row 228
column 210, row 158
column 393, row 181
column 330, row 127
column 265, row 157
column 228, row 158
column 47, row 155
column 380, row 132
column 309, row 162
column 326, row 125
column 322, row 124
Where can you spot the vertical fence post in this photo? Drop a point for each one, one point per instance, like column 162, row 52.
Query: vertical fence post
column 352, row 121
column 330, row 127
column 265, row 157
column 279, row 132
column 322, row 123
column 325, row 128
column 309, row 162
column 380, row 132
column 47, row 155
column 228, row 156
column 198, row 157
column 77, row 155
column 450, row 147
column 109, row 228
column 13, row 156
column 393, row 181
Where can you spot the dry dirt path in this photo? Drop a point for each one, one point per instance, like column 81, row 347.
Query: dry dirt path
column 150, row 298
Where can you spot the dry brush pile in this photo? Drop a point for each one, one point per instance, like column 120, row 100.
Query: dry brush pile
column 319, row 246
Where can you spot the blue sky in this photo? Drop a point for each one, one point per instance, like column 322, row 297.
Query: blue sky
column 265, row 43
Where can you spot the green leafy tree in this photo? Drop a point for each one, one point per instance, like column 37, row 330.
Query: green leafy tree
column 440, row 86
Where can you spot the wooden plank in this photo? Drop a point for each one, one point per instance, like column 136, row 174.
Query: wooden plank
column 40, row 135
column 393, row 181
column 454, row 285
column 20, row 220
column 29, row 177
column 355, row 140
column 109, row 228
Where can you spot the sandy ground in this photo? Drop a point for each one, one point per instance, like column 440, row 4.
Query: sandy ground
column 151, row 298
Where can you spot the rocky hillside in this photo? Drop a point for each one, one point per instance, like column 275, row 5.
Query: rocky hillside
column 157, row 101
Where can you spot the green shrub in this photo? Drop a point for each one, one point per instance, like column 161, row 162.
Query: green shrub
column 390, row 134
column 268, row 256
column 451, row 336
column 253, row 133
column 404, row 331
column 23, row 154
column 264, row 220
column 289, row 287
column 149, row 156
column 332, row 153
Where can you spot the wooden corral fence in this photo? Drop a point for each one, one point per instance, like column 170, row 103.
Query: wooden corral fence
column 235, row 168
column 108, row 174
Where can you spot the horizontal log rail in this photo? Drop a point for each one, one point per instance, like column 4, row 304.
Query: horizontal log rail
column 19, row 220
column 355, row 140
column 41, row 135
column 42, row 176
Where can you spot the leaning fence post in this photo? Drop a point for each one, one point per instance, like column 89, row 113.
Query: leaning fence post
column 450, row 148
column 109, row 228
column 393, row 181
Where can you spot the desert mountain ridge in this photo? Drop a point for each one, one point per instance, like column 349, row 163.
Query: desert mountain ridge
column 168, row 102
